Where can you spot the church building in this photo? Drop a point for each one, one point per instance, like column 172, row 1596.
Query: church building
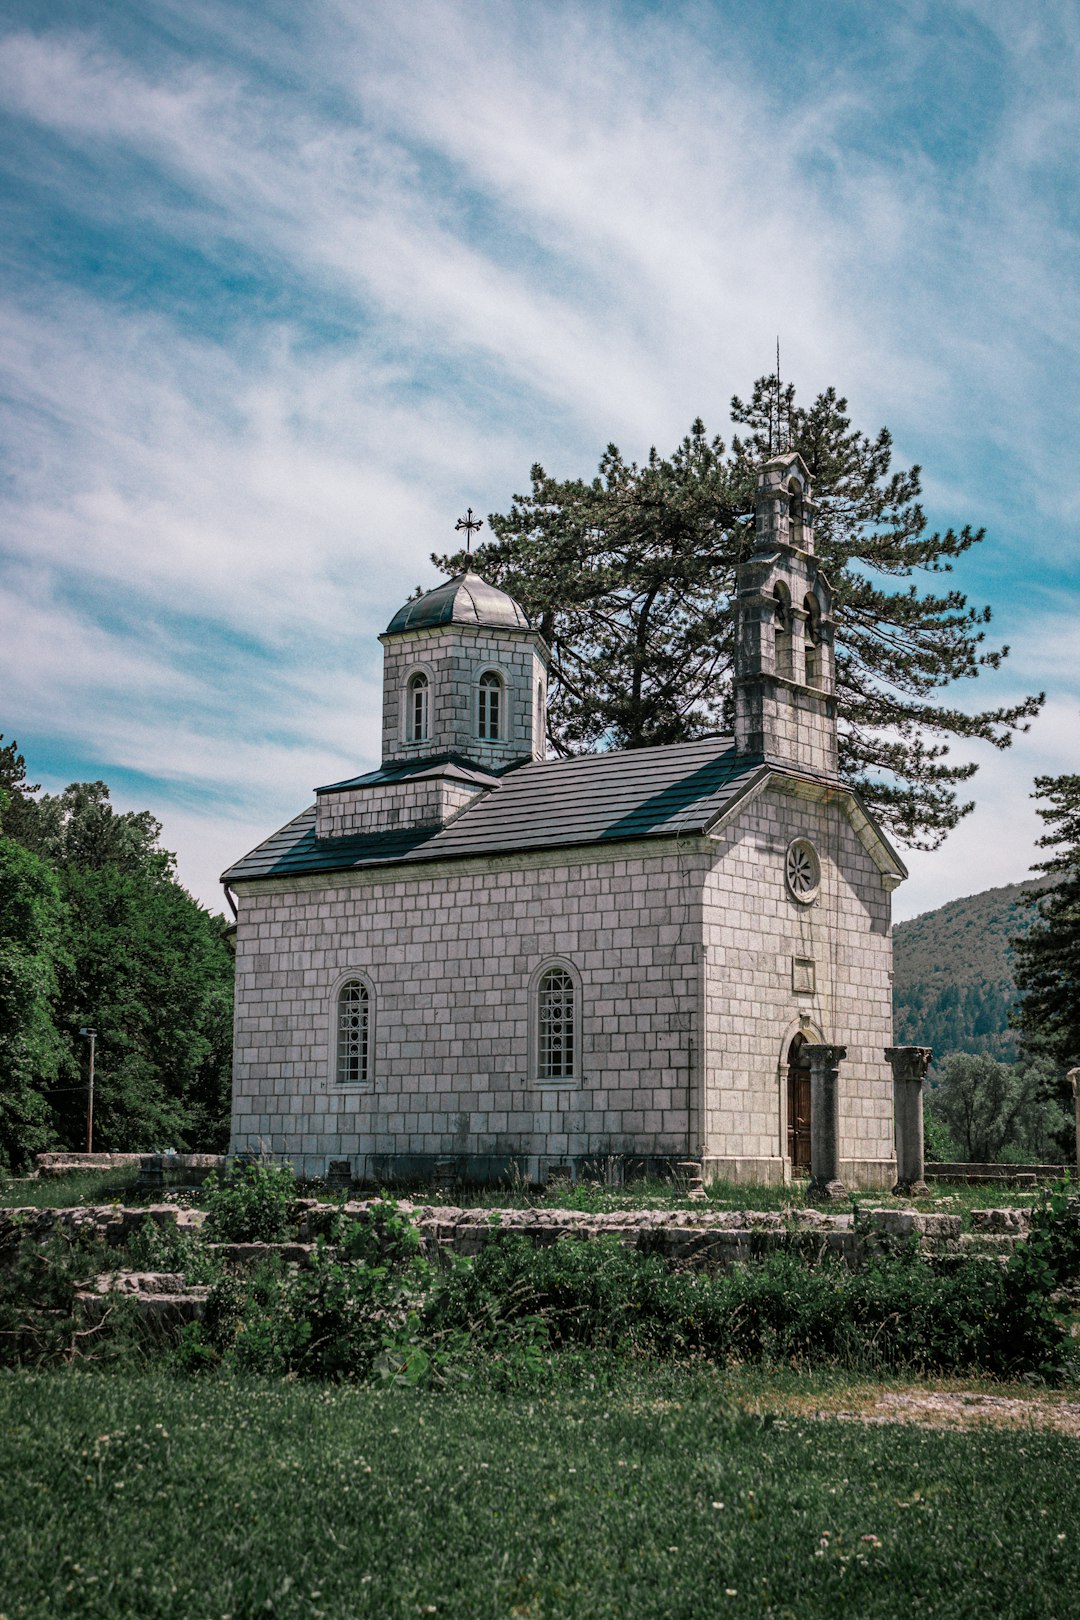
column 478, row 957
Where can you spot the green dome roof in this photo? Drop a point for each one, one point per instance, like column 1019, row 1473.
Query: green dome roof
column 466, row 599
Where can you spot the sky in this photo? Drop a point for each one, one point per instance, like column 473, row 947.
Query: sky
column 284, row 289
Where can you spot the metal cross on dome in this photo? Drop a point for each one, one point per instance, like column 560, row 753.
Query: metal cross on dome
column 470, row 525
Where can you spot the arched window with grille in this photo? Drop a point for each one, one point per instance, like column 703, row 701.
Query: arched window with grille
column 418, row 708
column 353, row 1023
column 491, row 708
column 557, row 1025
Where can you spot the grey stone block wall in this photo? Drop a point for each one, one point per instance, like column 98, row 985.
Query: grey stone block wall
column 682, row 952
column 454, row 658
column 755, row 932
column 452, row 955
column 427, row 802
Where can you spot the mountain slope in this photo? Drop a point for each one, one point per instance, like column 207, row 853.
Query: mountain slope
column 952, row 973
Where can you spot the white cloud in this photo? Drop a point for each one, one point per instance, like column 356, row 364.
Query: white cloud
column 528, row 230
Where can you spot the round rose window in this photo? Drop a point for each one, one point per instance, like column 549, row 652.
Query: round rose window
column 802, row 870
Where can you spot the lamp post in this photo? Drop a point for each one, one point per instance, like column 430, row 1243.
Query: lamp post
column 91, row 1035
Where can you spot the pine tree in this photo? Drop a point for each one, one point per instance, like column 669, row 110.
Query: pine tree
column 1047, row 958
column 16, row 793
column 630, row 578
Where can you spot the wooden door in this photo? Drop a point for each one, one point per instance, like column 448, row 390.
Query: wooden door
column 798, row 1113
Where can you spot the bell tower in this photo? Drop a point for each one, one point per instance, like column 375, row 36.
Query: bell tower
column 785, row 672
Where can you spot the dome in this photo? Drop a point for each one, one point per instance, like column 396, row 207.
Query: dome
column 466, row 599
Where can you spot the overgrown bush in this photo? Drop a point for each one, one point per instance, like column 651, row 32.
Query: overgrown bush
column 356, row 1311
column 40, row 1322
column 897, row 1312
column 373, row 1304
column 252, row 1203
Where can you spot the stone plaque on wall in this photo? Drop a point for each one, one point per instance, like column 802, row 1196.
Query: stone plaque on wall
column 802, row 975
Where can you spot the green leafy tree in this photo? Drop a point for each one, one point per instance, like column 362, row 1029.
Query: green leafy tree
column 152, row 972
column 31, row 924
column 998, row 1112
column 142, row 963
column 80, row 830
column 630, row 578
column 1047, row 958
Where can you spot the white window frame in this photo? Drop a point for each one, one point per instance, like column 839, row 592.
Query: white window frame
column 492, row 679
column 365, row 1082
column 549, row 1082
column 412, row 674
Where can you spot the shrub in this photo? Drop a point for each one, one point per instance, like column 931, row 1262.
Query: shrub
column 253, row 1203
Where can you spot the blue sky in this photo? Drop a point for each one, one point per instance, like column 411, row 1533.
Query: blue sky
column 285, row 288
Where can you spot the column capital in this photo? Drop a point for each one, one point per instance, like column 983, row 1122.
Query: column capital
column 1073, row 1077
column 825, row 1056
column 909, row 1062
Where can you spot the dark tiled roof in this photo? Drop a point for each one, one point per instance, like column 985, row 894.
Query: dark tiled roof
column 592, row 799
column 451, row 765
column 466, row 599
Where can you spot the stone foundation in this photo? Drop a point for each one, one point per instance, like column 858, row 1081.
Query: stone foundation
column 699, row 1237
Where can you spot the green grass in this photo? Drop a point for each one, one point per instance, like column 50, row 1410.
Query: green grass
column 195, row 1501
column 63, row 1192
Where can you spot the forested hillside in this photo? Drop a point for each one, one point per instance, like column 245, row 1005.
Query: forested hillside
column 953, row 984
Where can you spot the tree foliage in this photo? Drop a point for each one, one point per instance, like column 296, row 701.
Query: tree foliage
column 999, row 1112
column 630, row 578
column 31, row 918
column 1048, row 956
column 96, row 931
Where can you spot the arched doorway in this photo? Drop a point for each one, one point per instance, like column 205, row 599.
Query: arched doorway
column 798, row 1107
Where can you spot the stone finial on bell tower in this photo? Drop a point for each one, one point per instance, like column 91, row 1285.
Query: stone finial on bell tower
column 785, row 678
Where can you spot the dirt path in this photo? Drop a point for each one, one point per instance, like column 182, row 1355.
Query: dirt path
column 935, row 1409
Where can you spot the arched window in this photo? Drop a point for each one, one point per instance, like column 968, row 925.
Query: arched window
column 556, row 1021
column 418, row 708
column 795, row 514
column 490, row 706
column 541, row 721
column 353, row 1066
column 813, row 641
column 782, row 629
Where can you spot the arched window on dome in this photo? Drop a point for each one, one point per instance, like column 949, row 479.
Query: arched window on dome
column 418, row 708
column 491, row 708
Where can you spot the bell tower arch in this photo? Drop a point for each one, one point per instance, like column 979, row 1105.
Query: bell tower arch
column 785, row 671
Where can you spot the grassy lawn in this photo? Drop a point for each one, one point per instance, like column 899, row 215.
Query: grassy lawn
column 62, row 1192
column 130, row 1495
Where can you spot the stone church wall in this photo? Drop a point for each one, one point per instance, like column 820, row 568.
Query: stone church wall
column 451, row 955
column 760, row 943
column 695, row 968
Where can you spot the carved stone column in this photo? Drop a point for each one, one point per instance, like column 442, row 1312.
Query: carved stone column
column 825, row 1064
column 909, row 1065
column 1074, row 1076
